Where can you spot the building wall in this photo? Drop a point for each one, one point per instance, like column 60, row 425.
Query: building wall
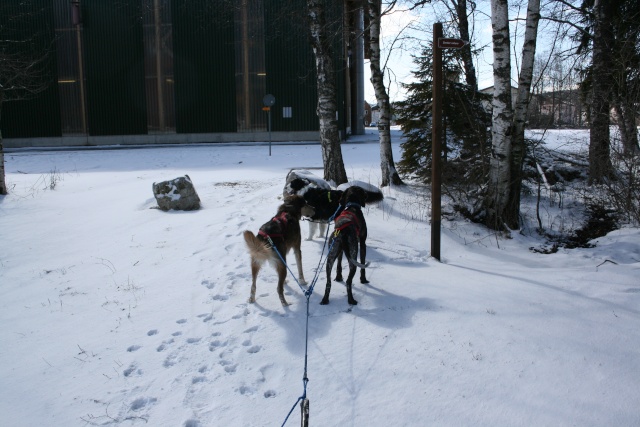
column 148, row 68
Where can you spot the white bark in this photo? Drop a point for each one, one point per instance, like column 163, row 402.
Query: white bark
column 501, row 130
column 387, row 165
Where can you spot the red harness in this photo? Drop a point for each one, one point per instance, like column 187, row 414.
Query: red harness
column 280, row 219
column 346, row 219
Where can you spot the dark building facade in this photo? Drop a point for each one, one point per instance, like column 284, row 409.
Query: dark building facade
column 178, row 71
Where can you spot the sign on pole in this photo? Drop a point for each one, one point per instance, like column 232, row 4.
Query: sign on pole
column 439, row 43
column 444, row 43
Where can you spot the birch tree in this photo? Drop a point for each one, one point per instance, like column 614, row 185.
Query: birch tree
column 497, row 203
column 507, row 132
column 522, row 103
column 327, row 100
column 387, row 165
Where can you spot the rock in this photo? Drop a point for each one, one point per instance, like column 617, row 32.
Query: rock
column 178, row 194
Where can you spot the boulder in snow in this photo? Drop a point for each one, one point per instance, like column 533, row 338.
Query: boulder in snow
column 178, row 194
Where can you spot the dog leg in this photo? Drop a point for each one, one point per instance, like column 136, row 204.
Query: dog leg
column 282, row 274
column 298, row 254
column 352, row 250
column 339, row 269
column 255, row 268
column 323, row 229
column 363, row 256
column 331, row 257
column 312, row 230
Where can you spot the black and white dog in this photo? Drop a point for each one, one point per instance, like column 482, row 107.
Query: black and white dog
column 324, row 200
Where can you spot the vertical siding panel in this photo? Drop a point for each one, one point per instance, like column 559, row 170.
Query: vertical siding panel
column 204, row 66
column 290, row 66
column 114, row 61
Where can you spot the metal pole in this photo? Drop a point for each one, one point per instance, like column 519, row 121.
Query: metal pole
column 304, row 408
column 436, row 143
column 269, row 130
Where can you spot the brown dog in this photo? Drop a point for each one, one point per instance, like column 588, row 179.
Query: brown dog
column 284, row 231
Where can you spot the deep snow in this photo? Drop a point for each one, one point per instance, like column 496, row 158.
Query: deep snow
column 115, row 313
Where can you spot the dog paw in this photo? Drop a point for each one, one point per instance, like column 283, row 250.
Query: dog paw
column 324, row 301
column 353, row 302
column 252, row 300
column 364, row 281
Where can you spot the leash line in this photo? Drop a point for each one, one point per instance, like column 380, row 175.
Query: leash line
column 307, row 294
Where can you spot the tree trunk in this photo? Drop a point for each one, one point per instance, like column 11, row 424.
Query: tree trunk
column 387, row 165
column 497, row 202
column 522, row 104
column 465, row 52
column 334, row 170
column 600, row 166
column 3, row 182
column 626, row 125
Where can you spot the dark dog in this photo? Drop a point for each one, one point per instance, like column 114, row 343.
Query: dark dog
column 325, row 202
column 350, row 230
column 284, row 231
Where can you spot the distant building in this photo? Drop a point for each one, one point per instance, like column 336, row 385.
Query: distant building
column 180, row 71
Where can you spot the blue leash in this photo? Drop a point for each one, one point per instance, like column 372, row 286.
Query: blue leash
column 307, row 294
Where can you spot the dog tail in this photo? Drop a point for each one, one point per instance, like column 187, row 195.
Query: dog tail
column 357, row 264
column 374, row 196
column 258, row 249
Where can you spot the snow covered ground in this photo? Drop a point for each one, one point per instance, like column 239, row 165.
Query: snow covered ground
column 115, row 313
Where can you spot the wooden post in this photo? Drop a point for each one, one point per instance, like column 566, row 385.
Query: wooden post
column 436, row 142
column 304, row 408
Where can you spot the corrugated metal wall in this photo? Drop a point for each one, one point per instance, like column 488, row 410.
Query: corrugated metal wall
column 114, row 63
column 162, row 66
column 292, row 82
column 31, row 23
column 204, row 66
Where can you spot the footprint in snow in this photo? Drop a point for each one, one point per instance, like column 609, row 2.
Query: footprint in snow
column 132, row 370
column 181, row 321
column 133, row 348
column 208, row 284
column 141, row 402
column 152, row 332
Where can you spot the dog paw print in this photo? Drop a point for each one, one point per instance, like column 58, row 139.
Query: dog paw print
column 142, row 402
column 164, row 345
column 254, row 349
column 206, row 317
column 132, row 370
column 228, row 366
column 208, row 284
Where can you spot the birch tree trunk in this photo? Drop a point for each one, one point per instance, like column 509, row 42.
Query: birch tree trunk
column 387, row 165
column 600, row 166
column 334, row 170
column 497, row 202
column 3, row 182
column 522, row 103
